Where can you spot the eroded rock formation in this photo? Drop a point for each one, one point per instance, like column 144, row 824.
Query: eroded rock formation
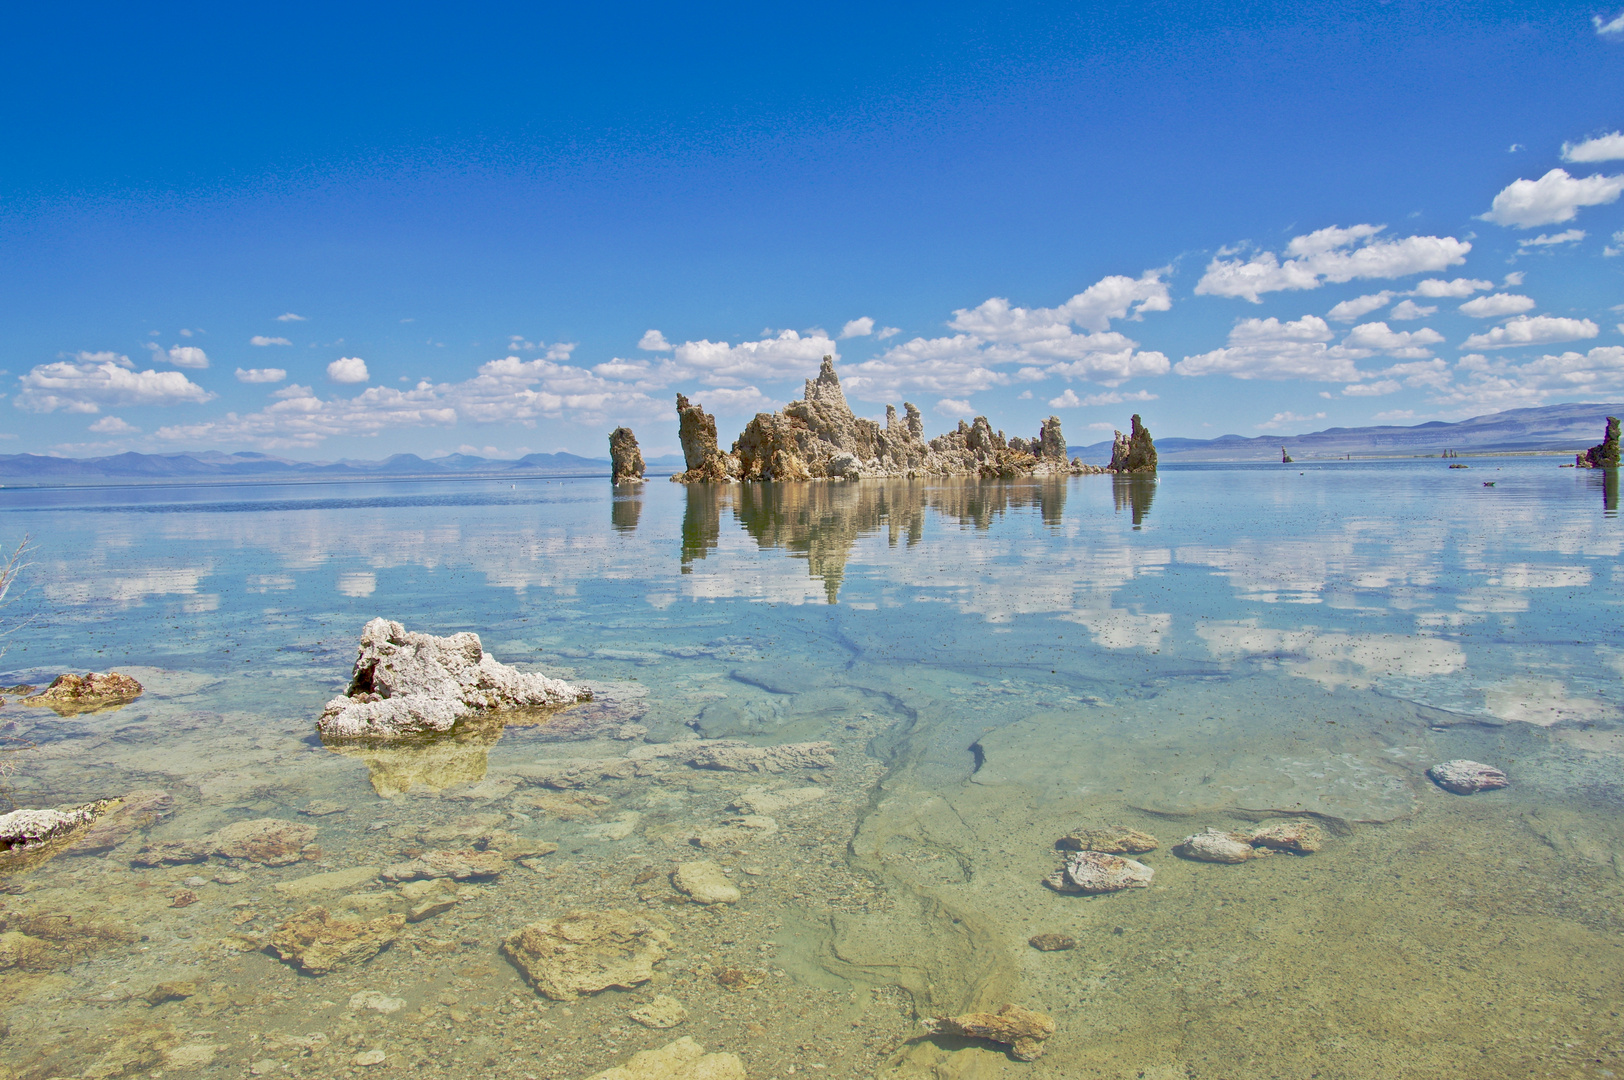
column 1022, row 1030
column 1604, row 455
column 819, row 437
column 625, row 459
column 1133, row 452
column 91, row 692
column 406, row 683
column 588, row 951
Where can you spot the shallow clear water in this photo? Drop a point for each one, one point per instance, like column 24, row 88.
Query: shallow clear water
column 995, row 664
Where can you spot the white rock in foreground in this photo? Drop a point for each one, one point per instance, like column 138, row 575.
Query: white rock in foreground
column 407, row 683
column 1467, row 777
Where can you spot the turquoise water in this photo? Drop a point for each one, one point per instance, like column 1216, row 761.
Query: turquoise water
column 995, row 664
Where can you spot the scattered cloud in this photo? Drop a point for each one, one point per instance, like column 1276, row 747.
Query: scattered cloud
column 348, row 369
column 1271, row 349
column 261, row 375
column 653, row 341
column 1439, row 289
column 1571, row 236
column 887, row 332
column 857, row 328
column 291, row 317
column 1110, row 397
column 1285, row 419
column 1330, row 255
column 1483, row 384
column 261, row 339
column 1393, row 415
column 1533, row 330
column 786, row 356
column 1372, row 389
column 188, row 356
column 1038, row 343
column 1067, row 400
column 1616, row 248
column 112, row 425
column 745, row 399
column 1601, row 148
column 1409, row 309
column 1552, row 199
column 1497, row 306
column 954, row 407
column 1514, row 279
column 1608, row 28
column 1359, row 307
column 90, row 381
column 1515, row 148
column 1399, row 344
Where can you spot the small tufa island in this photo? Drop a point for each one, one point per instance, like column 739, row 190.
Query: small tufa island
column 1605, row 454
column 819, row 437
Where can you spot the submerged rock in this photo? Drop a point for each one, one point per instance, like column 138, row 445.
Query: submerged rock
column 1021, row 1029
column 775, row 759
column 588, row 951
column 1604, row 455
column 663, row 1012
column 1052, row 942
column 1110, row 840
column 316, row 942
column 170, row 853
column 406, row 683
column 1297, row 837
column 136, row 811
column 91, row 692
column 681, row 1060
column 1095, row 872
column 1216, row 845
column 1134, row 452
column 1467, row 777
column 267, row 841
column 625, row 459
column 704, row 883
column 458, row 865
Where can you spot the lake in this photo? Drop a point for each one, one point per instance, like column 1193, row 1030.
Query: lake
column 992, row 664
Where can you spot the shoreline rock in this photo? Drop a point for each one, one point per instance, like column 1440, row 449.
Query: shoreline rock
column 1604, row 455
column 1134, row 452
column 1021, row 1029
column 407, row 683
column 1464, row 777
column 70, row 694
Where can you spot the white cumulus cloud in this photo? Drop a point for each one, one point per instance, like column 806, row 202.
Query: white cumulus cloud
column 1608, row 28
column 1533, row 330
column 290, row 317
column 1409, row 309
column 261, row 375
column 1359, row 306
column 857, row 328
column 90, row 381
column 112, row 425
column 1399, row 344
column 1484, row 384
column 1601, row 148
column 785, row 356
column 1439, row 289
column 1552, row 199
column 1271, row 349
column 954, row 407
column 348, row 369
column 188, row 356
column 1067, row 400
column 1497, row 306
column 1330, row 255
column 1571, row 236
column 261, row 339
column 653, row 341
column 1372, row 389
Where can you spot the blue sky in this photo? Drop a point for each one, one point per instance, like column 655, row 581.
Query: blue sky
column 504, row 229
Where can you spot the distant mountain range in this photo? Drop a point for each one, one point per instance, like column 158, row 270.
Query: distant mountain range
column 1566, row 428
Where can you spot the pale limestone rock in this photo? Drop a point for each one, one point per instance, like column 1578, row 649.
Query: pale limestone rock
column 775, row 759
column 588, row 951
column 269, row 841
column 1298, row 837
column 461, row 865
column 318, row 943
column 427, row 898
column 1111, row 840
column 407, row 683
column 1216, row 845
column 1021, row 1029
column 663, row 1012
column 625, row 459
column 377, row 1001
column 22, row 830
column 681, row 1060
column 1093, row 872
column 760, row 801
column 704, row 883
column 332, row 881
column 1467, row 777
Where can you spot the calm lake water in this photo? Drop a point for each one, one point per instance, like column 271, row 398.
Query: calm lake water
column 995, row 664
